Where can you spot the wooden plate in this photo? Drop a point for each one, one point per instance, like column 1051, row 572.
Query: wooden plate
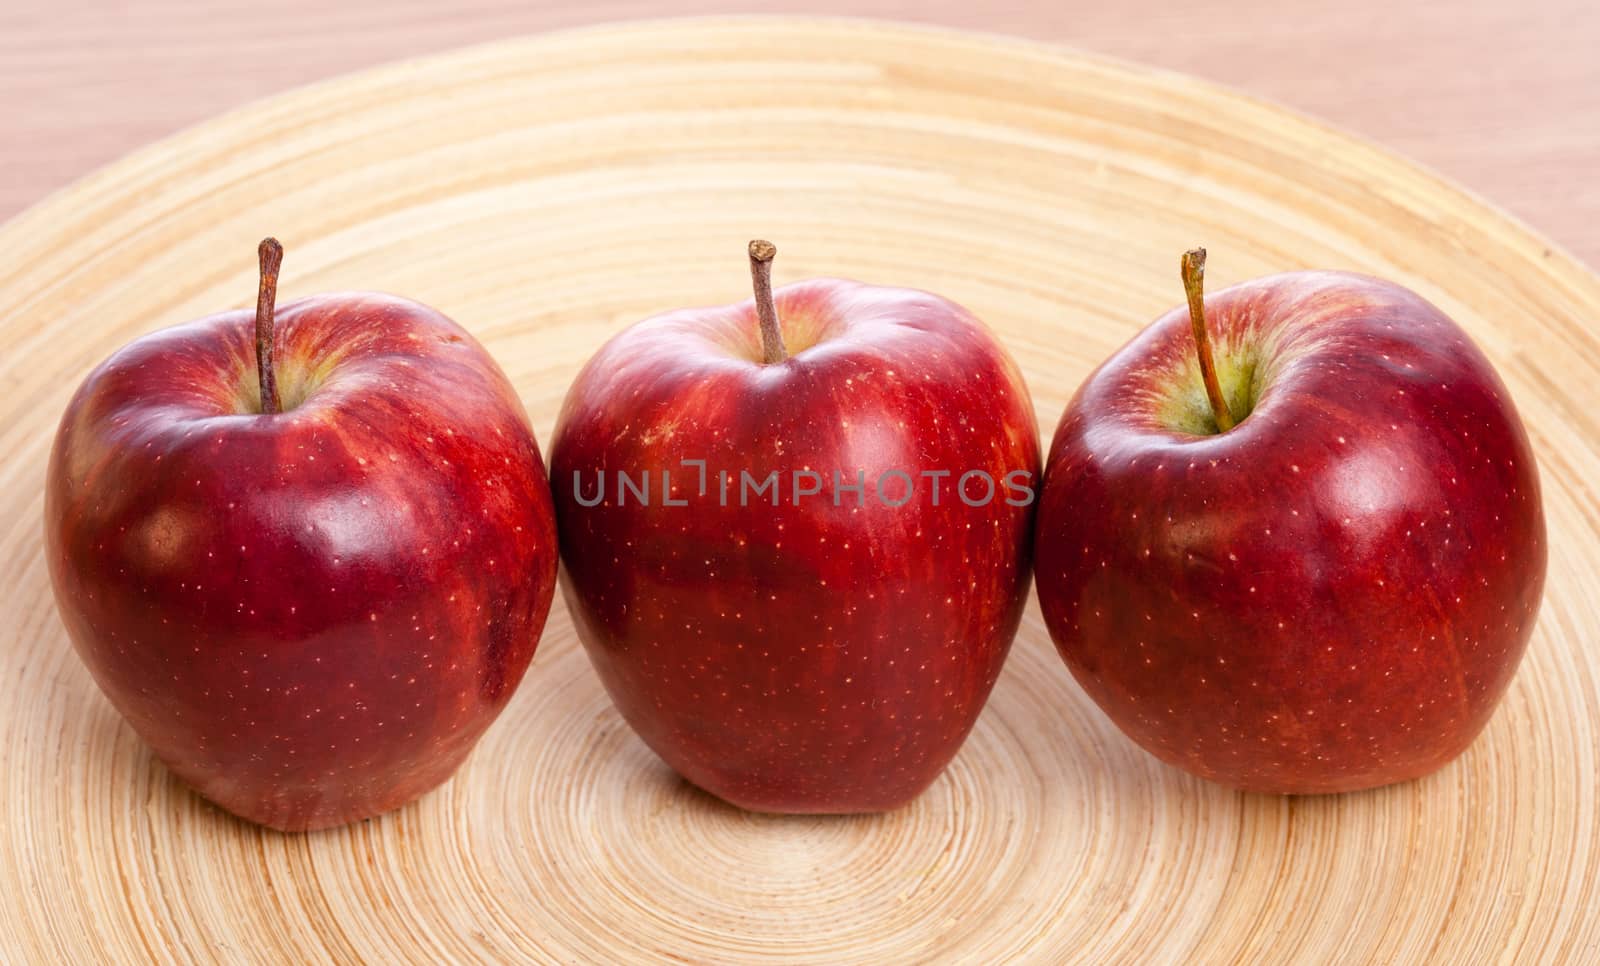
column 547, row 192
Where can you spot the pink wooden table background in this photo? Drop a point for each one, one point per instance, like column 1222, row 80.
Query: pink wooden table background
column 1501, row 96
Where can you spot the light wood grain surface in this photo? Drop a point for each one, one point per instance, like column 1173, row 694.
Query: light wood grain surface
column 515, row 188
column 1503, row 97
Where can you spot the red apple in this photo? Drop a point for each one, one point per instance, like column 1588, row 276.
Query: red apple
column 309, row 600
column 1332, row 594
column 830, row 652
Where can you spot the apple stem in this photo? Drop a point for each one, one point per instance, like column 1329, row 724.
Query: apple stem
column 761, row 255
column 1194, row 275
column 271, row 255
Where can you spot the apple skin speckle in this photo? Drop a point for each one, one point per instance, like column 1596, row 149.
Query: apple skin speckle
column 806, row 657
column 295, row 610
column 1333, row 595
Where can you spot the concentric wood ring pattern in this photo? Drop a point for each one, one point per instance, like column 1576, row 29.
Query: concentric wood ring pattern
column 545, row 193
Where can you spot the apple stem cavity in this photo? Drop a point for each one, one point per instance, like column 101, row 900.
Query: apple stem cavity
column 1194, row 275
column 271, row 255
column 761, row 255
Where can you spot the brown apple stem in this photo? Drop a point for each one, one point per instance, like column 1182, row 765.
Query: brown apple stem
column 271, row 255
column 1194, row 275
column 761, row 255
